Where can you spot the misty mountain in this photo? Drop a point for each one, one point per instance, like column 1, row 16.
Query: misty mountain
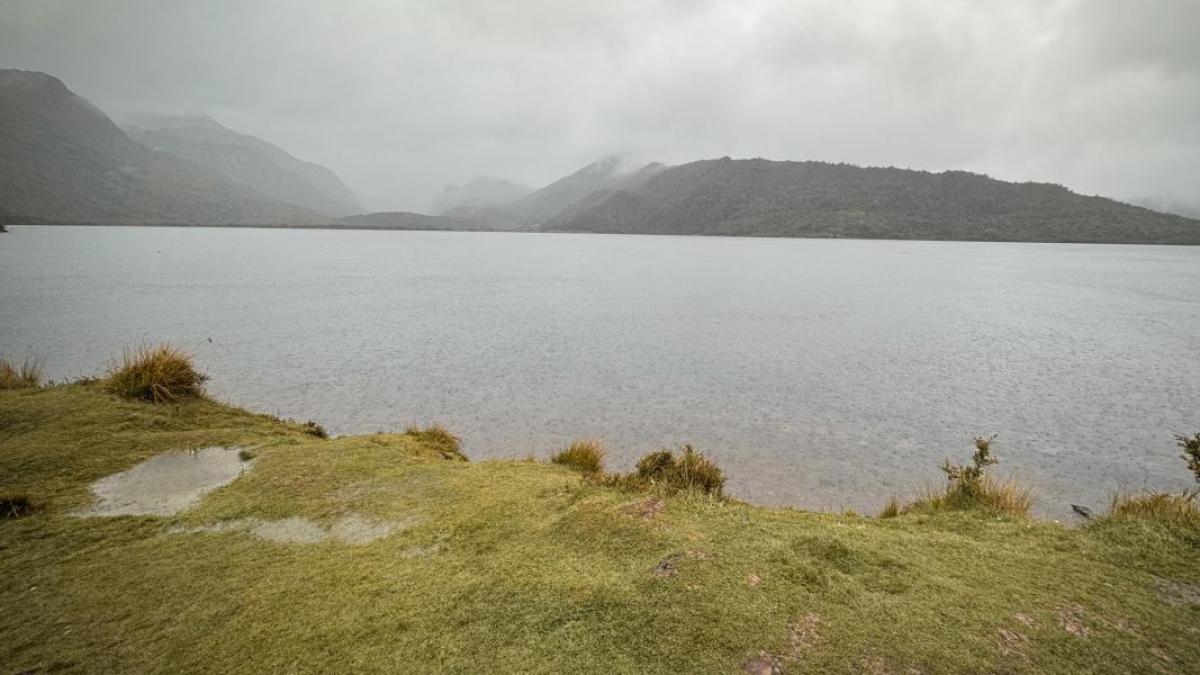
column 247, row 160
column 480, row 192
column 62, row 160
column 759, row 197
column 399, row 220
column 544, row 204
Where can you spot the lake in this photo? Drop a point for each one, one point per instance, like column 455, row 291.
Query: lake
column 824, row 374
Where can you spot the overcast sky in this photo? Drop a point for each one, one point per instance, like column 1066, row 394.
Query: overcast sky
column 400, row 98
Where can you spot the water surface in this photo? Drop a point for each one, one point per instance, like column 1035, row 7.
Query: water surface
column 820, row 373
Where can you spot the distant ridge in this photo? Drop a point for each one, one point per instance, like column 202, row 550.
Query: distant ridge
column 398, row 220
column 247, row 160
column 538, row 207
column 62, row 160
column 480, row 192
column 758, row 197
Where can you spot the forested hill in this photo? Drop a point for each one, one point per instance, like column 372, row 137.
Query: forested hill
column 759, row 197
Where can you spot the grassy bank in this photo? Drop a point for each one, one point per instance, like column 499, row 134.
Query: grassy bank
column 522, row 566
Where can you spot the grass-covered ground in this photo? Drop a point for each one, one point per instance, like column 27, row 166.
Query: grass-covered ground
column 527, row 566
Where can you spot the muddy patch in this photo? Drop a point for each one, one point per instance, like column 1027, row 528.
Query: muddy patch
column 296, row 530
column 166, row 484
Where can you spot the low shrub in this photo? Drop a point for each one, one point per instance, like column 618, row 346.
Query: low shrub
column 969, row 487
column 15, row 506
column 688, row 470
column 585, row 456
column 1191, row 452
column 436, row 437
column 160, row 374
column 313, row 429
column 28, row 375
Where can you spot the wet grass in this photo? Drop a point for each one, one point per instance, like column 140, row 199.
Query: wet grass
column 513, row 566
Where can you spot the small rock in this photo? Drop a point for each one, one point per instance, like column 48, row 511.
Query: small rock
column 754, row 579
column 1083, row 511
column 666, row 568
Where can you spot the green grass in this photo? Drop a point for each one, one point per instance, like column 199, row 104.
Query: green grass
column 513, row 566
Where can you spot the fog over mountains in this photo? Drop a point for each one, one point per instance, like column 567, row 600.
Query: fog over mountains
column 62, row 160
column 247, row 160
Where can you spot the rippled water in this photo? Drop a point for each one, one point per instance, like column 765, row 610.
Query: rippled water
column 824, row 374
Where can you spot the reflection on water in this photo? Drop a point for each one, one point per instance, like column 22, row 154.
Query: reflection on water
column 165, row 484
column 820, row 373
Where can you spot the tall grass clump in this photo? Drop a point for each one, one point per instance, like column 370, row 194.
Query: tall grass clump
column 1168, row 508
column 160, row 374
column 439, row 439
column 687, row 471
column 969, row 487
column 15, row 506
column 586, row 456
column 1160, row 507
column 28, row 375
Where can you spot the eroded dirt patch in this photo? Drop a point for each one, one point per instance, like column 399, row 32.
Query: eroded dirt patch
column 166, row 484
column 1070, row 617
column 647, row 509
column 1178, row 593
column 1012, row 643
column 352, row 529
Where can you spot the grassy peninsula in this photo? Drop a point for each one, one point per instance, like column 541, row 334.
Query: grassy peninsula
column 536, row 566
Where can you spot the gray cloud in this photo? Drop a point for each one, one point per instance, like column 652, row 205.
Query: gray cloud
column 402, row 97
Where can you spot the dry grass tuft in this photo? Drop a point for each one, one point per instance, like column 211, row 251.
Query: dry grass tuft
column 688, row 471
column 586, row 456
column 438, row 438
column 1002, row 496
column 1160, row 507
column 160, row 374
column 28, row 375
column 970, row 488
column 892, row 508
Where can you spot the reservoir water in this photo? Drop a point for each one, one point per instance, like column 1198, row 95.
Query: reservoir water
column 824, row 374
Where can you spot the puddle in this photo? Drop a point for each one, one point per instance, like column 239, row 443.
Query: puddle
column 166, row 484
column 297, row 530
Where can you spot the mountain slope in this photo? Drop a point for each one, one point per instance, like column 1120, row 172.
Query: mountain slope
column 813, row 199
column 63, row 160
column 544, row 204
column 247, row 160
column 480, row 192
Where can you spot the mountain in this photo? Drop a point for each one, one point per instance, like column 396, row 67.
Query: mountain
column 540, row 206
column 399, row 220
column 758, row 197
column 247, row 160
column 62, row 160
column 481, row 192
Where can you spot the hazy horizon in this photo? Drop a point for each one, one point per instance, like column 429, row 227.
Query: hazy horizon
column 401, row 99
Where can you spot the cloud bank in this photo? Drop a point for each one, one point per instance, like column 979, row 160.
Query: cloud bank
column 401, row 98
